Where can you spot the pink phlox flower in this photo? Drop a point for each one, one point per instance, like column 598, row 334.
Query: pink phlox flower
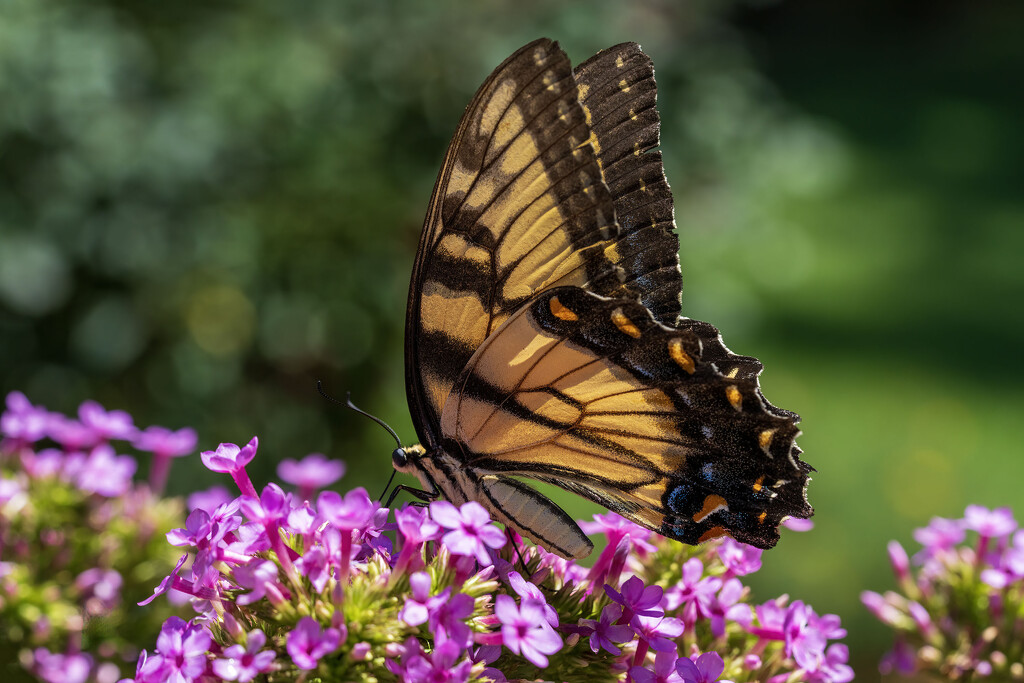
column 308, row 643
column 197, row 530
column 272, row 507
column 658, row 632
column 229, row 458
column 940, row 536
column 990, row 523
column 807, row 633
column 694, row 593
column 664, row 670
column 615, row 528
column 374, row 540
column 184, row 647
column 22, row 421
column 244, row 663
column 311, row 473
column 166, row 443
column 314, row 566
column 881, row 608
column 416, row 609
column 255, row 576
column 636, row 598
column 705, row 669
column 417, row 666
column 101, row 589
column 472, row 532
column 835, row 668
column 54, row 667
column 530, row 593
column 448, row 615
column 248, row 539
column 355, row 511
column 604, row 632
column 901, row 659
column 106, row 473
column 771, row 619
column 488, row 654
column 44, row 464
column 149, row 669
column 209, row 499
column 71, row 434
column 302, row 520
column 106, row 425
column 567, row 570
column 525, row 631
column 165, row 584
column 727, row 607
column 798, row 524
column 416, row 526
column 739, row 559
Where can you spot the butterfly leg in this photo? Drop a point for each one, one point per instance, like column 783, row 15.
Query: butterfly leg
column 423, row 495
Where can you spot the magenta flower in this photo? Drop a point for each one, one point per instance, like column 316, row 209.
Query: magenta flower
column 739, row 559
column 471, row 530
column 209, row 499
column 940, row 535
column 105, row 473
column 448, row 614
column 308, row 643
column 524, row 630
column 664, row 670
column 22, row 421
column 834, row 669
column 230, row 459
column 604, row 633
column 164, row 445
column 183, row 646
column 167, row 581
column 416, row 609
column 101, row 589
column 355, row 511
column 272, row 507
column 243, row 663
column 53, row 667
column 727, row 607
column 990, row 523
column 658, row 632
column 694, row 593
column 706, row 669
column 115, row 424
column 164, row 442
column 255, row 576
column 636, row 598
column 71, row 434
column 530, row 593
column 615, row 528
column 311, row 473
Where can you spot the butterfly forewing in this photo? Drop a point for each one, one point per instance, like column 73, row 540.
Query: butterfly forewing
column 519, row 205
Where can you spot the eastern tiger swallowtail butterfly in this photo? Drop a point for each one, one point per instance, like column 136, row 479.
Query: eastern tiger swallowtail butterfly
column 543, row 334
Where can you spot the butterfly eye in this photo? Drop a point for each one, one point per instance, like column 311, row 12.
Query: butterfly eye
column 400, row 459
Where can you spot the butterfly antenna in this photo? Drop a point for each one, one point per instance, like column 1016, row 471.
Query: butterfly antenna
column 348, row 403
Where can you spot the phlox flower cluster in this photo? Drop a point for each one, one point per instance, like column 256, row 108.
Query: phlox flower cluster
column 80, row 541
column 959, row 611
column 300, row 585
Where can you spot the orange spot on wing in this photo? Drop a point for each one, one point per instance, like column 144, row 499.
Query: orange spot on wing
column 560, row 311
column 761, row 517
column 713, row 532
column 682, row 358
column 757, row 484
column 734, row 396
column 711, row 504
column 764, row 439
column 624, row 324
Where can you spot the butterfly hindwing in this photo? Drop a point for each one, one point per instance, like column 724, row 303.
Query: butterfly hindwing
column 594, row 395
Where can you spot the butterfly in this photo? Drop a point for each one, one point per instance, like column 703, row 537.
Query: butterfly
column 543, row 333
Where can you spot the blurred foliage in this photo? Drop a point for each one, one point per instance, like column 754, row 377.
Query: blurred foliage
column 207, row 206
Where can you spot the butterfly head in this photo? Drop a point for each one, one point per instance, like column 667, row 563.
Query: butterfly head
column 404, row 458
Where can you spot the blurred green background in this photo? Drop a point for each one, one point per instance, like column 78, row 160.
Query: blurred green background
column 207, row 206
